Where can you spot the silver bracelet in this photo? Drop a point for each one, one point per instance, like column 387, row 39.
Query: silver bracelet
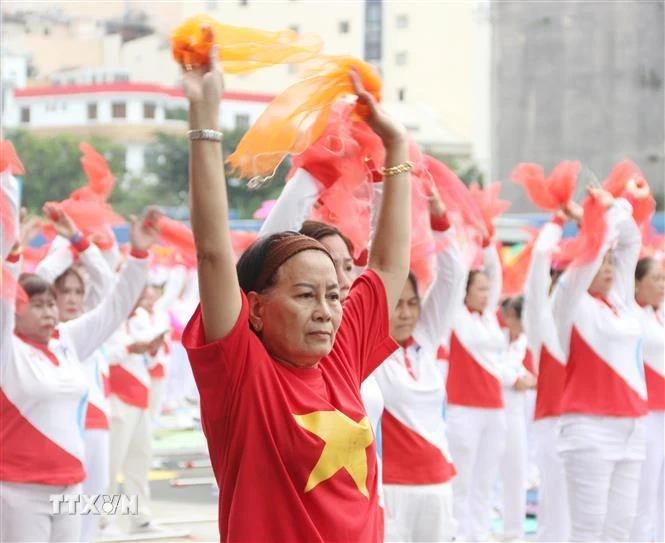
column 205, row 134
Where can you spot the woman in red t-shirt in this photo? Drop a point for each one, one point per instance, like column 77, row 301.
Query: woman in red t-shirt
column 277, row 365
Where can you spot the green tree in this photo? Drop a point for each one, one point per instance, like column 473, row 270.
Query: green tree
column 468, row 172
column 167, row 159
column 52, row 164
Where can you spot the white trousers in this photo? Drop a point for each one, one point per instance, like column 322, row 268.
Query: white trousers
column 649, row 523
column 131, row 455
column 513, row 466
column 180, row 382
column 157, row 389
column 476, row 439
column 553, row 514
column 419, row 513
column 602, row 458
column 97, row 475
column 26, row 514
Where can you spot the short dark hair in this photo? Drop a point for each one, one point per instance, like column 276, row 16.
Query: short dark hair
column 471, row 277
column 643, row 267
column 69, row 271
column 251, row 262
column 34, row 285
column 319, row 230
column 414, row 283
column 516, row 303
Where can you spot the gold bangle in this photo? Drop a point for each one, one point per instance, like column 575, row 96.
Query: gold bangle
column 404, row 167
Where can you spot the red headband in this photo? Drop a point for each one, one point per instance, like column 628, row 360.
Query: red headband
column 280, row 251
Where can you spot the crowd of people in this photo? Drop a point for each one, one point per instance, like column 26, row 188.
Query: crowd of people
column 347, row 391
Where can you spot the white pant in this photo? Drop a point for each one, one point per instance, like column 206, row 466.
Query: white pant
column 476, row 438
column 553, row 514
column 513, row 466
column 419, row 512
column 131, row 455
column 157, row 388
column 97, row 475
column 26, row 514
column 648, row 524
column 602, row 458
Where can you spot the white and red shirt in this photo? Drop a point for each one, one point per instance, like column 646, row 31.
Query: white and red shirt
column 413, row 428
column 602, row 338
column 43, row 389
column 129, row 372
column 539, row 325
column 475, row 373
column 653, row 348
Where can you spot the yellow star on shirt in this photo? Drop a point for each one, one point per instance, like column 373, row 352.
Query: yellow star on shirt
column 346, row 441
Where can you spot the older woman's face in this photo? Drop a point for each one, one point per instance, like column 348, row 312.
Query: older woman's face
column 38, row 318
column 299, row 316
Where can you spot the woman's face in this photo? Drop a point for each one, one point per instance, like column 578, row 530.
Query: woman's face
column 477, row 295
column 602, row 282
column 38, row 318
column 513, row 322
column 298, row 317
column 343, row 262
column 650, row 290
column 70, row 292
column 405, row 317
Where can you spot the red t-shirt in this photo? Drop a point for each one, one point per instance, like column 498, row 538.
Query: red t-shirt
column 292, row 449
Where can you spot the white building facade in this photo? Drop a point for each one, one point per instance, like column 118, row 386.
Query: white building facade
column 129, row 113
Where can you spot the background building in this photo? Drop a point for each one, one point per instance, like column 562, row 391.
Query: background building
column 578, row 80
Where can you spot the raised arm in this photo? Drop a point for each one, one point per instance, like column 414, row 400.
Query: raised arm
column 218, row 282
column 576, row 280
column 11, row 264
column 91, row 330
column 447, row 290
column 391, row 242
column 537, row 285
column 294, row 204
column 57, row 261
column 172, row 289
column 627, row 250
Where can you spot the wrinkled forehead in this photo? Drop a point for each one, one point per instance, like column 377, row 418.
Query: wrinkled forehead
column 312, row 267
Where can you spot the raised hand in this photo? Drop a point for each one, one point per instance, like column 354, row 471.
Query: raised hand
column 603, row 196
column 143, row 234
column 390, row 130
column 436, row 206
column 63, row 225
column 638, row 188
column 203, row 87
column 572, row 211
column 28, row 228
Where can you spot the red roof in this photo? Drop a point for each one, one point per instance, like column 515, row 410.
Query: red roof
column 175, row 92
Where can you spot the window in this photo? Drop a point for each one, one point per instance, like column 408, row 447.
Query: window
column 242, row 121
column 149, row 110
column 92, row 112
column 295, row 28
column 51, row 106
column 242, row 2
column 211, row 5
column 401, row 94
column 344, row 27
column 121, row 78
column 119, row 110
column 401, row 58
column 373, row 31
column 25, row 115
column 402, row 21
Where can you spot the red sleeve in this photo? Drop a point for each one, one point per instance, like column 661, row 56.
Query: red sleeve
column 218, row 366
column 364, row 334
